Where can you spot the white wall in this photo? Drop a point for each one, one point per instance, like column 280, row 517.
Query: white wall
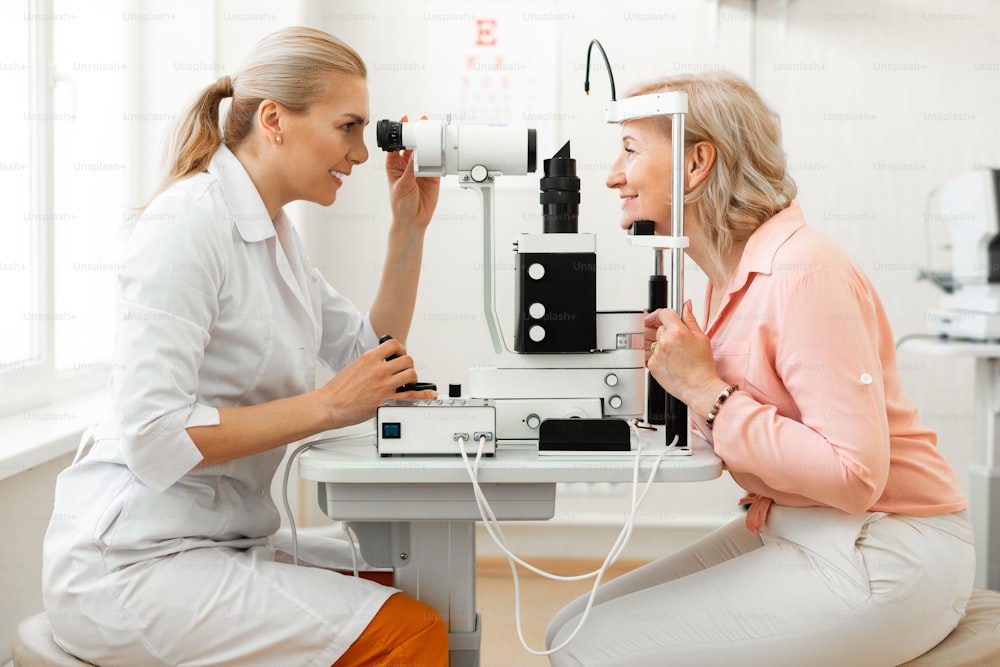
column 881, row 100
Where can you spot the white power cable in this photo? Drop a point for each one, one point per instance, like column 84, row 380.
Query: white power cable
column 288, row 509
column 492, row 526
column 284, row 498
column 353, row 539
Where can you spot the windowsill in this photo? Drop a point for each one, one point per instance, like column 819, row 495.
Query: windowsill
column 46, row 432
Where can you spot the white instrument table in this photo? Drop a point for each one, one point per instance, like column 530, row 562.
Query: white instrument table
column 417, row 514
column 984, row 466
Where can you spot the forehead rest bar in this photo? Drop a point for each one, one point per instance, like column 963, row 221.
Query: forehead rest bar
column 644, row 106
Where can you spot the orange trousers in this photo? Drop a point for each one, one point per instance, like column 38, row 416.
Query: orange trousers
column 404, row 633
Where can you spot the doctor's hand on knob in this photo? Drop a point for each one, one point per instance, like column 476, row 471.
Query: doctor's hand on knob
column 681, row 359
column 353, row 395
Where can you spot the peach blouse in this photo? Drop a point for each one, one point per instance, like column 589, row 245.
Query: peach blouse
column 820, row 417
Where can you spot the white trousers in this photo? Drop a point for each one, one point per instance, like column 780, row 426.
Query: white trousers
column 818, row 587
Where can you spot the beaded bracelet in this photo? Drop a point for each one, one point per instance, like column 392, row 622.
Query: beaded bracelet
column 726, row 393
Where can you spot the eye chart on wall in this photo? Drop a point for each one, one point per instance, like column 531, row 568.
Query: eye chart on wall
column 500, row 64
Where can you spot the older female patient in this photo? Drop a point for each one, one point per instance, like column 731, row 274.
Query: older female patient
column 856, row 549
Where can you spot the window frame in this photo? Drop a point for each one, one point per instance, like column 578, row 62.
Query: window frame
column 28, row 385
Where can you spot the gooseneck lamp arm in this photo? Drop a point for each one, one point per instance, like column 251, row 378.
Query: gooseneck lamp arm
column 607, row 65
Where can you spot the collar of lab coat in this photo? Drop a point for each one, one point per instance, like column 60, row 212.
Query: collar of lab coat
column 254, row 224
column 249, row 212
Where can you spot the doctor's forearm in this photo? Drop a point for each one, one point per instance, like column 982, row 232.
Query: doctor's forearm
column 246, row 431
column 392, row 310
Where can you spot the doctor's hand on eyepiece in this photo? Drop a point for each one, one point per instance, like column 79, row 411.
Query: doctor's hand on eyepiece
column 412, row 200
column 354, row 394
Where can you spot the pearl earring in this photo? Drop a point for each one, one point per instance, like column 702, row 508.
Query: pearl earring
column 277, row 138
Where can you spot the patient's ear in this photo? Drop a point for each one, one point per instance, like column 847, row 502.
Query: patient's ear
column 700, row 160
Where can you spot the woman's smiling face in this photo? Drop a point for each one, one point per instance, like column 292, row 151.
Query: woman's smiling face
column 323, row 145
column 642, row 174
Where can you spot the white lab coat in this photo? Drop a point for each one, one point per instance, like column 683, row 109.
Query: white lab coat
column 149, row 559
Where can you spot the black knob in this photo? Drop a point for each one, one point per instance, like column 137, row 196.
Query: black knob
column 383, row 339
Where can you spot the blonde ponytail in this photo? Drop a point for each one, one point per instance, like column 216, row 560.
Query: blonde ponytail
column 292, row 66
column 198, row 135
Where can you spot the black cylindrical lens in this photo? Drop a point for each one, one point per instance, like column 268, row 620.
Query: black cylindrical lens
column 389, row 135
column 560, row 196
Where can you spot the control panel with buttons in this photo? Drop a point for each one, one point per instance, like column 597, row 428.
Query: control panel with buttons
column 436, row 427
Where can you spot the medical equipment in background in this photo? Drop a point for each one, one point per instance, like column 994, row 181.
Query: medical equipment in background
column 969, row 205
column 569, row 361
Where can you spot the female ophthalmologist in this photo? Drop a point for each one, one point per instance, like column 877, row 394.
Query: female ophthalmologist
column 158, row 552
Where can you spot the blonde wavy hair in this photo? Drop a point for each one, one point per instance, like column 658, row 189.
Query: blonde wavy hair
column 292, row 66
column 749, row 182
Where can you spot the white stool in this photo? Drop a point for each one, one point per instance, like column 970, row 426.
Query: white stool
column 35, row 647
column 976, row 640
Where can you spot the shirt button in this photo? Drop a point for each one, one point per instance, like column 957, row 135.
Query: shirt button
column 866, row 378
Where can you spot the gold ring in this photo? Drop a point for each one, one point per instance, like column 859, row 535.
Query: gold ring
column 652, row 346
